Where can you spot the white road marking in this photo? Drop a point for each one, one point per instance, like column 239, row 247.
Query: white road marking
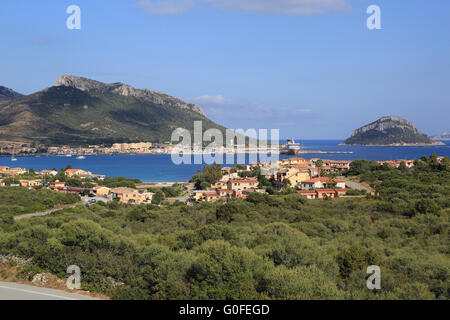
column 39, row 293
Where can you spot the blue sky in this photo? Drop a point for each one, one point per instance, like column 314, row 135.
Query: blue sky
column 310, row 68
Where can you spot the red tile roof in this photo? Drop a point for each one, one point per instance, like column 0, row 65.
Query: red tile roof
column 326, row 190
column 317, row 179
column 214, row 195
column 323, row 179
column 244, row 181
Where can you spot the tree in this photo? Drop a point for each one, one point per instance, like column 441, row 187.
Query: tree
column 213, row 173
column 263, row 182
column 286, row 184
column 319, row 163
column 158, row 196
column 355, row 258
column 402, row 166
column 209, row 176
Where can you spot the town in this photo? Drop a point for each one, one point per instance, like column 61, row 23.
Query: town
column 138, row 148
column 11, row 148
column 312, row 179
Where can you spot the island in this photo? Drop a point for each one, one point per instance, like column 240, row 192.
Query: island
column 389, row 131
column 444, row 136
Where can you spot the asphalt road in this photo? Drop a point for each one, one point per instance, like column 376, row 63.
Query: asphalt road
column 42, row 214
column 46, row 213
column 14, row 291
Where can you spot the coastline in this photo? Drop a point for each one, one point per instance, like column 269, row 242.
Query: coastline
column 437, row 144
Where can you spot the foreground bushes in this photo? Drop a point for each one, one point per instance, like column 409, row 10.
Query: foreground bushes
column 16, row 201
column 268, row 247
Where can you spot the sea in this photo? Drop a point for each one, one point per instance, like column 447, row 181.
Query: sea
column 161, row 168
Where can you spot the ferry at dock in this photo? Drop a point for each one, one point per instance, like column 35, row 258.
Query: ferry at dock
column 291, row 147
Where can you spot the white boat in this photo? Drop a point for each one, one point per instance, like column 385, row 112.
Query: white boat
column 13, row 158
column 68, row 155
column 81, row 157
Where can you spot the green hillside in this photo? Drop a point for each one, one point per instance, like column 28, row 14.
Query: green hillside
column 66, row 115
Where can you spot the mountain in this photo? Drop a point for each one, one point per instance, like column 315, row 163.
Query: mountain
column 389, row 131
column 8, row 94
column 79, row 111
column 118, row 88
column 443, row 136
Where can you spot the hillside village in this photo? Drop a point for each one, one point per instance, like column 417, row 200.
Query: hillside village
column 312, row 179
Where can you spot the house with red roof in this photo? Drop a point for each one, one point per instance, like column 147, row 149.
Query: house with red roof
column 3, row 169
column 323, row 193
column 78, row 172
column 242, row 184
column 310, row 194
column 322, row 183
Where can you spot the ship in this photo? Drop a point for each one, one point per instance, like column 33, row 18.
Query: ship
column 291, row 147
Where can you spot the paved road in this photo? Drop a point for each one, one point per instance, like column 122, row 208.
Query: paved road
column 46, row 213
column 86, row 200
column 183, row 199
column 41, row 214
column 14, row 291
column 355, row 185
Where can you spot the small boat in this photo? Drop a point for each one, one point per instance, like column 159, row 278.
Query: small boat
column 81, row 157
column 13, row 158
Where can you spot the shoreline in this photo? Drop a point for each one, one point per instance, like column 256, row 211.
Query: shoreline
column 438, row 144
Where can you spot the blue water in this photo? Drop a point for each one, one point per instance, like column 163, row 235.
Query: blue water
column 156, row 168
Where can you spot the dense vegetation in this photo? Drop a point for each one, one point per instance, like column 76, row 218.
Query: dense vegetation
column 266, row 247
column 16, row 201
column 160, row 194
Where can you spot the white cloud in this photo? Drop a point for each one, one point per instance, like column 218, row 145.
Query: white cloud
column 219, row 99
column 166, row 7
column 288, row 7
column 285, row 7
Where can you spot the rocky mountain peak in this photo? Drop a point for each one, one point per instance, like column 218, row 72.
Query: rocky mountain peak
column 119, row 88
column 7, row 94
column 81, row 83
column 385, row 123
column 388, row 131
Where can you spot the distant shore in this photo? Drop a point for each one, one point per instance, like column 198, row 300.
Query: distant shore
column 396, row 145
